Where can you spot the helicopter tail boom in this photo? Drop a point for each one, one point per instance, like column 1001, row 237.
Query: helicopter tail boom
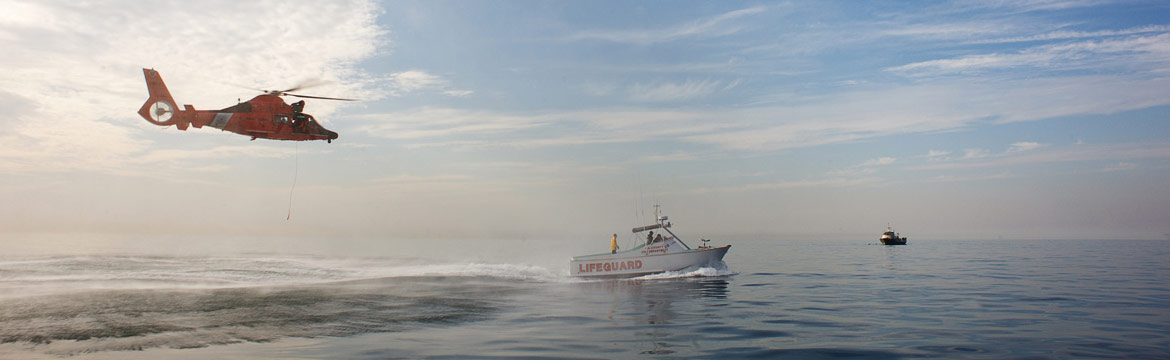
column 161, row 109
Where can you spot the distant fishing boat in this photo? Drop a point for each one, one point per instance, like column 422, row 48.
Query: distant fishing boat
column 891, row 238
column 656, row 255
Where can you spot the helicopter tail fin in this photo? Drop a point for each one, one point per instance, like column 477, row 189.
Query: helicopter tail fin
column 160, row 109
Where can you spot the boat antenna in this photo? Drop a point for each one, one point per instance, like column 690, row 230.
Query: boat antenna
column 665, row 225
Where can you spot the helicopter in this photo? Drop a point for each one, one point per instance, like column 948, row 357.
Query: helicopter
column 266, row 116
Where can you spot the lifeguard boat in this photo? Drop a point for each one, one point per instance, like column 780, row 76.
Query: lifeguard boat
column 659, row 253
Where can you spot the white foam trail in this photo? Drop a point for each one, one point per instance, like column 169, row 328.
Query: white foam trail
column 24, row 277
column 504, row 271
column 700, row 272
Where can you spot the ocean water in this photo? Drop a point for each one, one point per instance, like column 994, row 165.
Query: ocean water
column 1004, row 299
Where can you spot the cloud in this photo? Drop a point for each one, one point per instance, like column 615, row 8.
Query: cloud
column 1147, row 53
column 885, row 160
column 936, row 155
column 218, row 152
column 841, row 117
column 868, row 112
column 458, row 93
column 719, row 25
column 952, row 178
column 975, row 153
column 940, row 105
column 430, row 123
column 668, row 91
column 1024, row 146
column 79, row 67
column 852, row 172
column 831, row 182
column 410, row 81
column 1079, row 153
column 1072, row 34
column 1121, row 166
column 676, row 156
column 416, row 179
column 595, row 88
column 949, row 30
column 429, row 126
column 864, row 168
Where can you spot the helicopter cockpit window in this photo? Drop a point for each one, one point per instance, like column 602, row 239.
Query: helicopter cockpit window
column 281, row 119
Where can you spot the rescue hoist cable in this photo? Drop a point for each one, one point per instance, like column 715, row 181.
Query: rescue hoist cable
column 296, row 171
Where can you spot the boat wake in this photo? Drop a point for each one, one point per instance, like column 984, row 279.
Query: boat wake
column 83, row 304
column 718, row 270
column 70, row 305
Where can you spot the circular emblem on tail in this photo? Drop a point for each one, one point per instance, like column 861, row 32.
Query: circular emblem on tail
column 161, row 111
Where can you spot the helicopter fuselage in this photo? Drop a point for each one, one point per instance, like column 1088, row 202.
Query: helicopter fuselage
column 266, row 116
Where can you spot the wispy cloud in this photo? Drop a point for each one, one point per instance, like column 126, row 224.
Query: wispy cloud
column 430, row 123
column 421, row 179
column 672, row 157
column 885, row 160
column 1121, row 166
column 596, row 88
column 975, row 153
column 719, row 25
column 1024, row 146
column 218, row 152
column 865, row 168
column 426, row 127
column 953, row 178
column 410, row 81
column 948, row 31
column 831, row 182
column 458, row 93
column 670, row 91
column 936, row 155
column 1006, row 8
column 1129, row 53
column 811, row 121
column 1079, row 153
column 1073, row 34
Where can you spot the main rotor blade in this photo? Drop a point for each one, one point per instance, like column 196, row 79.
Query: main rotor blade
column 319, row 97
column 307, row 84
column 241, row 86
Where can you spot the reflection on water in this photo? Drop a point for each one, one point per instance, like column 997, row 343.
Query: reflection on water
column 649, row 308
column 890, row 261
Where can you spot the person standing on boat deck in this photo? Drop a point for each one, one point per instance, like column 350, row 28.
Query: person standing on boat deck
column 649, row 238
column 613, row 245
column 658, row 238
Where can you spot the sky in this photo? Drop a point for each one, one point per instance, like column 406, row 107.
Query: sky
column 570, row 119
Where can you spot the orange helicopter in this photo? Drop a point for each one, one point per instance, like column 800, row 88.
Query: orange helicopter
column 266, row 116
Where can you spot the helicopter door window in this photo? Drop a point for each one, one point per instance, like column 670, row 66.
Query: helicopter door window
column 281, row 119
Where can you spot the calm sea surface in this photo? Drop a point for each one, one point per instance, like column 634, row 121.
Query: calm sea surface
column 778, row 299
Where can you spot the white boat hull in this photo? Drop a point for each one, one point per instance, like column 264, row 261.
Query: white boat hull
column 644, row 261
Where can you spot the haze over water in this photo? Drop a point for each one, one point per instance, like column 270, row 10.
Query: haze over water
column 778, row 299
column 492, row 140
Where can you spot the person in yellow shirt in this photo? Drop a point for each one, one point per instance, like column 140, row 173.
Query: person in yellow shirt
column 613, row 245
